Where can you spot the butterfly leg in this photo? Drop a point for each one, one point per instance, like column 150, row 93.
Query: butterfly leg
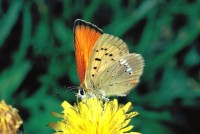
column 104, row 98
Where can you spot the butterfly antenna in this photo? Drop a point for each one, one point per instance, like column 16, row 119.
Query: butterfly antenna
column 58, row 96
column 73, row 88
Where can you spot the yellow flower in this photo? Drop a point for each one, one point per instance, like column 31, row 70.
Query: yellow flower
column 10, row 120
column 92, row 116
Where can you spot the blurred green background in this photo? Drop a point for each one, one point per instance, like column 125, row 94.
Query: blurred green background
column 37, row 58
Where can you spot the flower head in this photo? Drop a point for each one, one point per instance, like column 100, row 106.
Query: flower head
column 10, row 120
column 94, row 116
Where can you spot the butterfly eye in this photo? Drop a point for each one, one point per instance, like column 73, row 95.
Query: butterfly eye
column 82, row 92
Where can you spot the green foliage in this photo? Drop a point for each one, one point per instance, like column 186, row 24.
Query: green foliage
column 37, row 58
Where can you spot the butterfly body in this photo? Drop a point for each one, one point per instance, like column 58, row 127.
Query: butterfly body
column 105, row 65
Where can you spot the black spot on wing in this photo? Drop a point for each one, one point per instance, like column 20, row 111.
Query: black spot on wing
column 97, row 59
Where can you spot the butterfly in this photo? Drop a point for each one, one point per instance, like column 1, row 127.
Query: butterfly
column 104, row 64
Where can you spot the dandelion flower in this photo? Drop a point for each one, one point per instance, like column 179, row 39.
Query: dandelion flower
column 92, row 116
column 10, row 120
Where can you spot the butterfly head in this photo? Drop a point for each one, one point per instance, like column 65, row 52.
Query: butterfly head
column 83, row 94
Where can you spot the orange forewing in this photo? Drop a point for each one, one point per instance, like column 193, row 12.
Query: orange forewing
column 85, row 36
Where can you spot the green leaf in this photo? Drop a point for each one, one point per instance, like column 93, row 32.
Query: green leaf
column 12, row 78
column 9, row 19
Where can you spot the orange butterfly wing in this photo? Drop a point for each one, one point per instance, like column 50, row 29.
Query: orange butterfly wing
column 85, row 36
